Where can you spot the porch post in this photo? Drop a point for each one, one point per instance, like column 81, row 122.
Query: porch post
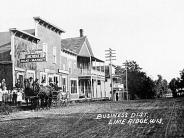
column 84, row 89
column 91, row 76
column 104, row 89
column 13, row 57
column 91, row 88
column 101, row 88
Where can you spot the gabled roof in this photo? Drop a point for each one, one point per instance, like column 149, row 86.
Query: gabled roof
column 75, row 44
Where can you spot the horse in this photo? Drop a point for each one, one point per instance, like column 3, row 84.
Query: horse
column 30, row 94
column 45, row 96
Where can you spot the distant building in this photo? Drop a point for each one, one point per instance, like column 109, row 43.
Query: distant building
column 118, row 87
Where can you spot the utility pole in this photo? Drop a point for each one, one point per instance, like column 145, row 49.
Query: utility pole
column 126, row 75
column 110, row 55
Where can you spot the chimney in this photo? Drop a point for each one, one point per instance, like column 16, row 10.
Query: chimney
column 81, row 32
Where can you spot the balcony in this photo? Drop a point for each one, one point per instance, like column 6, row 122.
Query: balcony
column 88, row 72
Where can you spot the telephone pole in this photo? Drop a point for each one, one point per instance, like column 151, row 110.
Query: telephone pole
column 110, row 55
column 126, row 75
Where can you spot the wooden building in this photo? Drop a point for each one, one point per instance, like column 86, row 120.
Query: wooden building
column 91, row 78
column 18, row 44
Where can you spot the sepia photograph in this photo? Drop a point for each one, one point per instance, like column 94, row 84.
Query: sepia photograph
column 92, row 69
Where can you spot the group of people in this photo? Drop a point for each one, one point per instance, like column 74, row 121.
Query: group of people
column 8, row 96
column 16, row 95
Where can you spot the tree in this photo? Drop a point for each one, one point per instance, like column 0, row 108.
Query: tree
column 181, row 79
column 161, row 86
column 173, row 87
column 139, row 84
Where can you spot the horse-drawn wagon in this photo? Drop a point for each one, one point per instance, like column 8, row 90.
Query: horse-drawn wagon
column 59, row 98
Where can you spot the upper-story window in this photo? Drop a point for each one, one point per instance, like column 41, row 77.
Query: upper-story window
column 45, row 49
column 64, row 67
column 69, row 66
column 54, row 54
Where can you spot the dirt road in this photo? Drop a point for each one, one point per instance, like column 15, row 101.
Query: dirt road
column 142, row 118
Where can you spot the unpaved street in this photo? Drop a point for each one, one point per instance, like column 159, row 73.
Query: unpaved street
column 142, row 118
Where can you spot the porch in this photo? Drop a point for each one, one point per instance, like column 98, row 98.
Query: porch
column 91, row 87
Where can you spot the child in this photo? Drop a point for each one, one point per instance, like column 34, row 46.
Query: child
column 19, row 97
column 5, row 94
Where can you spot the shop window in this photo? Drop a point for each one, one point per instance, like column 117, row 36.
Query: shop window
column 73, row 86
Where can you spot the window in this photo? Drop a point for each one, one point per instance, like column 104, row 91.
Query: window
column 70, row 70
column 64, row 67
column 31, row 73
column 56, row 80
column 73, row 86
column 70, row 67
column 43, row 77
column 99, row 82
column 50, row 79
column 64, row 84
column 54, row 54
column 45, row 49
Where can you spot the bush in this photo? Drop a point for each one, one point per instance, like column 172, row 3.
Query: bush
column 5, row 109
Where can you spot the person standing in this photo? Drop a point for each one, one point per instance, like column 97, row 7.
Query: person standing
column 36, row 86
column 14, row 99
column 31, row 82
column 5, row 94
column 18, row 84
column 19, row 97
column 3, row 83
column 1, row 95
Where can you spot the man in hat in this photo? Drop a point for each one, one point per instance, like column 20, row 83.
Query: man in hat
column 36, row 86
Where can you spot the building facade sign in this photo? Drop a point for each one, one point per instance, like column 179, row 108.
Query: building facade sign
column 35, row 57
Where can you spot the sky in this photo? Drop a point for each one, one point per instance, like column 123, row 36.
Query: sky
column 150, row 32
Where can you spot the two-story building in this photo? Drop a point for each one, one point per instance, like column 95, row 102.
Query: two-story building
column 31, row 53
column 91, row 77
column 50, row 44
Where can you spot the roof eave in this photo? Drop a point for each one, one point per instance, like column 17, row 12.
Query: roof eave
column 23, row 33
column 39, row 19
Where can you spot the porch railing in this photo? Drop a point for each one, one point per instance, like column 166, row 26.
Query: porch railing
column 90, row 72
